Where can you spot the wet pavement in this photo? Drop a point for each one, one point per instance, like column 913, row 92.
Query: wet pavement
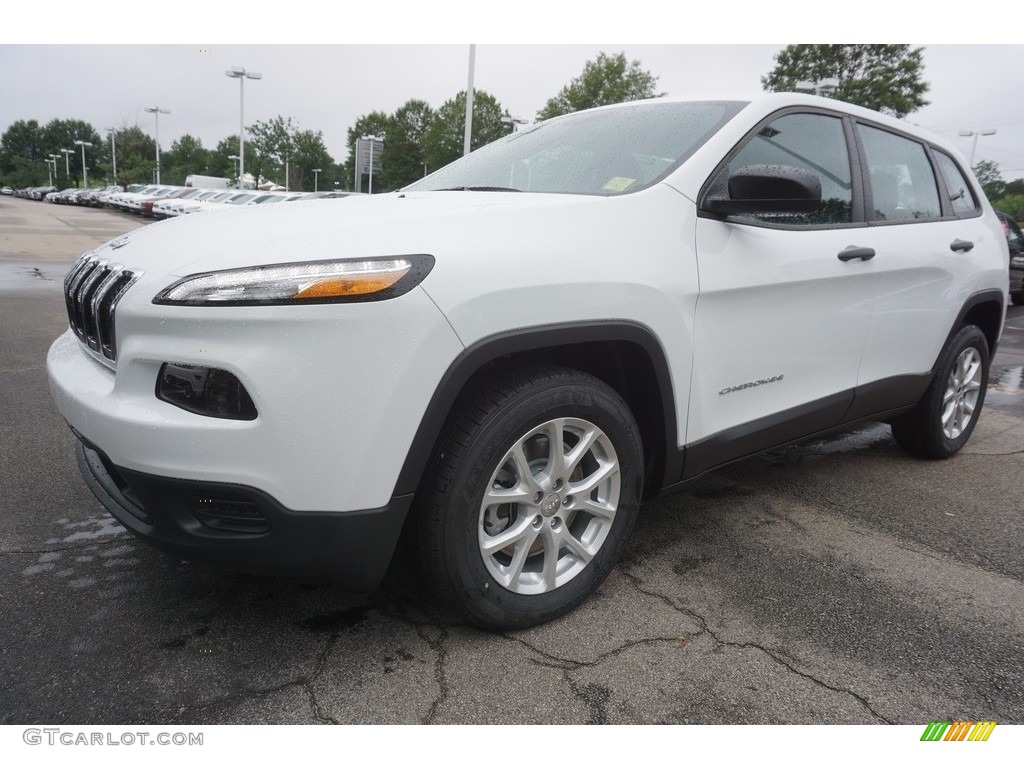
column 841, row 581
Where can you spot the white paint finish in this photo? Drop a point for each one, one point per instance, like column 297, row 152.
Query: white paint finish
column 340, row 390
column 774, row 302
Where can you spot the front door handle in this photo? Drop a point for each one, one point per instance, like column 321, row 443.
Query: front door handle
column 961, row 245
column 853, row 252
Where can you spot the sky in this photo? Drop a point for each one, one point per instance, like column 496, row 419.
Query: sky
column 66, row 68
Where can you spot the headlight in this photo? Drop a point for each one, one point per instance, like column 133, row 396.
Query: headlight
column 311, row 282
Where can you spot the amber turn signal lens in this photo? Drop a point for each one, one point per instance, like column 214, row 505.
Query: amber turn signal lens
column 336, row 287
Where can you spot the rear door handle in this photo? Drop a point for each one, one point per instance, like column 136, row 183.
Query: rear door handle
column 961, row 245
column 853, row 252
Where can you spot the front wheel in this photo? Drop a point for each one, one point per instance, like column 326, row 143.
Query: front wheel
column 531, row 497
column 943, row 421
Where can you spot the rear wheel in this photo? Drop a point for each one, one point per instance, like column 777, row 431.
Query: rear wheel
column 943, row 421
column 531, row 498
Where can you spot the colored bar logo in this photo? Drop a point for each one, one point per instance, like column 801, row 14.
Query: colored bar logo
column 958, row 730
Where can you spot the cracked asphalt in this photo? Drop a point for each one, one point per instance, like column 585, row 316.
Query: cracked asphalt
column 836, row 582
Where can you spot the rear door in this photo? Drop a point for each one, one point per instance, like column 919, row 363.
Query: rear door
column 926, row 253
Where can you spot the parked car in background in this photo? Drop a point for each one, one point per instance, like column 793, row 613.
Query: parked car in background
column 211, row 198
column 6, row 191
column 146, row 206
column 505, row 358
column 162, row 209
column 100, row 196
column 63, row 197
column 1015, row 243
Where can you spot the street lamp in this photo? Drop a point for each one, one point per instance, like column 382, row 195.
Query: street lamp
column 235, row 158
column 974, row 144
column 241, row 74
column 53, row 158
column 316, row 179
column 113, row 151
column 67, row 168
column 49, row 170
column 85, row 171
column 157, row 111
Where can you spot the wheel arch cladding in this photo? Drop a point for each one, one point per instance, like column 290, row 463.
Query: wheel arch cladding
column 985, row 310
column 625, row 355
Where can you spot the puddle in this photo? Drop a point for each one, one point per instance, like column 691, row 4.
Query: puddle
column 1010, row 381
column 16, row 276
column 1005, row 387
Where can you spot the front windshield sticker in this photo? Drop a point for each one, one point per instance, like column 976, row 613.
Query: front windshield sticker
column 618, row 184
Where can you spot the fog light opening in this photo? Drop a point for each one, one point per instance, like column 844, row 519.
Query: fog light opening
column 204, row 391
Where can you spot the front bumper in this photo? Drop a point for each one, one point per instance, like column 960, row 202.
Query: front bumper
column 243, row 528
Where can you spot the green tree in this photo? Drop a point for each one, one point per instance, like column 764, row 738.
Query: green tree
column 403, row 159
column 185, row 157
column 886, row 78
column 373, row 124
column 990, row 178
column 309, row 152
column 267, row 144
column 445, row 138
column 1015, row 187
column 1012, row 204
column 606, row 80
column 136, row 156
column 62, row 134
column 219, row 162
column 21, row 155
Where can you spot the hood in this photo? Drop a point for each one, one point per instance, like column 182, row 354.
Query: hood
column 393, row 224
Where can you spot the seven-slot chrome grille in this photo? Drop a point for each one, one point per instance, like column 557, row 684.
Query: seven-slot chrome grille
column 91, row 291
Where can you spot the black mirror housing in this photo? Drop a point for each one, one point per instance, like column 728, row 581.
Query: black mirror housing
column 766, row 189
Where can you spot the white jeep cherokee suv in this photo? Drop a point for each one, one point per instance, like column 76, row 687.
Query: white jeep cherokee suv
column 508, row 355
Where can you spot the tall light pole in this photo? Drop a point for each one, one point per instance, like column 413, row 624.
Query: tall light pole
column 235, row 158
column 49, row 170
column 85, row 171
column 67, row 167
column 316, row 179
column 157, row 112
column 113, row 151
column 242, row 74
column 53, row 158
column 467, row 140
column 974, row 144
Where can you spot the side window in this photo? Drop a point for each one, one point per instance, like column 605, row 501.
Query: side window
column 815, row 143
column 960, row 194
column 903, row 184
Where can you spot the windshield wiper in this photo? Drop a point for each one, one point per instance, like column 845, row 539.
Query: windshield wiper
column 479, row 189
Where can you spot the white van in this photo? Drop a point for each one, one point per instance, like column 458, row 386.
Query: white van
column 207, row 182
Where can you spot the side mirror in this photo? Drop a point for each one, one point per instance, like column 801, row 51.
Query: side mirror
column 765, row 189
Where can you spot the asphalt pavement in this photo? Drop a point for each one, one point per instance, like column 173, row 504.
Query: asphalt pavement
column 841, row 581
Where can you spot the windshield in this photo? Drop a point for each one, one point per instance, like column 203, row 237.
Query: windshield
column 602, row 152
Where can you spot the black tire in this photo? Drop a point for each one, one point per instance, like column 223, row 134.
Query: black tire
column 1018, row 297
column 943, row 421
column 560, row 547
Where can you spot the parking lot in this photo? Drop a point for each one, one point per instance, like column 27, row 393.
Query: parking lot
column 840, row 581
